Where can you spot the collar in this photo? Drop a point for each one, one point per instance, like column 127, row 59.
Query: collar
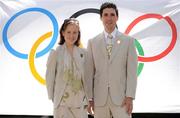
column 112, row 33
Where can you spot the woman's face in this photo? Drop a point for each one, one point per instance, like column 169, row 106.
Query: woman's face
column 71, row 34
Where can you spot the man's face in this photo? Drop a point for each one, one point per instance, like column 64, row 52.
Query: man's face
column 109, row 19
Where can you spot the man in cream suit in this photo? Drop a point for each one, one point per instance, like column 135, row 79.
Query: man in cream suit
column 111, row 69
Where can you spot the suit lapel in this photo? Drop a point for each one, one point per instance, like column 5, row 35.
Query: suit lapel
column 116, row 45
column 78, row 57
column 102, row 45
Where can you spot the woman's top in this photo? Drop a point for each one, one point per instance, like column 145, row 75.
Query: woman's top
column 74, row 91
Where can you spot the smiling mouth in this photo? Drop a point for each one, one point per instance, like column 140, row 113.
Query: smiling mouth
column 72, row 40
column 109, row 23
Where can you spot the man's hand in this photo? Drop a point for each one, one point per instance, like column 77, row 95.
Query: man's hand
column 90, row 107
column 128, row 104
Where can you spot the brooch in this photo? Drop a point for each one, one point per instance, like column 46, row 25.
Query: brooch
column 81, row 55
column 118, row 41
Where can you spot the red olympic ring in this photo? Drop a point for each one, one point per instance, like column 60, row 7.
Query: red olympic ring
column 173, row 40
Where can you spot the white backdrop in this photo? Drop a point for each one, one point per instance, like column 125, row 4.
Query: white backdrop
column 157, row 30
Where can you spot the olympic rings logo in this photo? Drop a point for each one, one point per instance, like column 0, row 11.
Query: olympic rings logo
column 54, row 34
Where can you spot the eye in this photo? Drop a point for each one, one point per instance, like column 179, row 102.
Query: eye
column 112, row 14
column 74, row 32
column 105, row 14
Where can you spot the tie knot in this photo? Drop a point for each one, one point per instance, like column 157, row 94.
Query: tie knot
column 109, row 36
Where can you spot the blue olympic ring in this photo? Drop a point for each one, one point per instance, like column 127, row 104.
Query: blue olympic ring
column 53, row 40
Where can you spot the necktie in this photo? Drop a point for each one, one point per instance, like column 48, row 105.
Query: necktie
column 109, row 45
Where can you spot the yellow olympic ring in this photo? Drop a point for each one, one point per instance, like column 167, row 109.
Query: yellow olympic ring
column 32, row 55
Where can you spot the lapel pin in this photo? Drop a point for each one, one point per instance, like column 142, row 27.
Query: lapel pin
column 81, row 55
column 118, row 41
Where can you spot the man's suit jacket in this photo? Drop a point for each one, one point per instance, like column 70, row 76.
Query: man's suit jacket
column 119, row 73
column 54, row 72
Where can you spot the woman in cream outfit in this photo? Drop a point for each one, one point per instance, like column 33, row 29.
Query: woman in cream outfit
column 65, row 73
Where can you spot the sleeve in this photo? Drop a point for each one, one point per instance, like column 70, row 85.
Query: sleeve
column 89, row 71
column 51, row 73
column 132, row 62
